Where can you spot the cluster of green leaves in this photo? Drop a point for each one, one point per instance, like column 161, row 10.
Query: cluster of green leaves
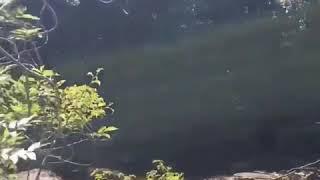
column 160, row 172
column 163, row 172
column 37, row 111
column 12, row 137
column 18, row 97
column 15, row 19
column 80, row 105
column 9, row 142
column 14, row 121
column 106, row 174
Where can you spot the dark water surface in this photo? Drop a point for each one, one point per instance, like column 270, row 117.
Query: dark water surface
column 215, row 99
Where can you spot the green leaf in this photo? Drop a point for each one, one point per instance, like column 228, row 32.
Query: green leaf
column 60, row 83
column 26, row 34
column 48, row 73
column 28, row 17
column 5, row 134
column 41, row 68
column 110, row 129
column 106, row 136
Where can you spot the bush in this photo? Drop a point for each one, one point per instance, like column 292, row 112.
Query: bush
column 36, row 113
column 160, row 172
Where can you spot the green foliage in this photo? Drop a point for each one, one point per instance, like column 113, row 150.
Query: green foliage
column 20, row 24
column 163, row 172
column 80, row 105
column 95, row 77
column 160, row 172
column 104, row 132
column 102, row 174
column 11, row 138
column 26, row 34
column 15, row 100
column 37, row 111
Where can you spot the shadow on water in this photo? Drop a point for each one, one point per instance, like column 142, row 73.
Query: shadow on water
column 230, row 100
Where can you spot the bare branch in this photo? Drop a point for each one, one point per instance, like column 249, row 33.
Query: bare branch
column 69, row 145
column 292, row 170
column 66, row 161
column 54, row 16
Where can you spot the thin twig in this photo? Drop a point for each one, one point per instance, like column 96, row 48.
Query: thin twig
column 21, row 65
column 66, row 161
column 71, row 144
column 36, row 51
column 292, row 170
column 44, row 160
column 46, row 5
column 17, row 62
